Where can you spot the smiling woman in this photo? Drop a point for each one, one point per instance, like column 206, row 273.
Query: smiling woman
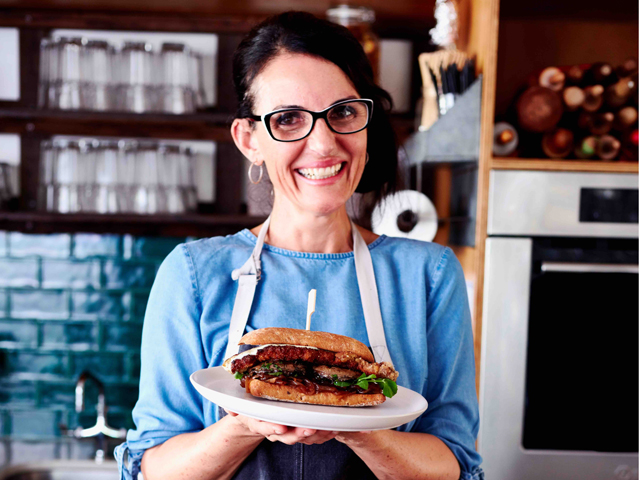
column 310, row 113
column 269, row 63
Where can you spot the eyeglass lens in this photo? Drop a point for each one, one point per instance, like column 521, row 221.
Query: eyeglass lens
column 292, row 125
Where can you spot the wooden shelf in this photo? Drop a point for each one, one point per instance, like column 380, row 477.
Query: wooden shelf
column 196, row 15
column 213, row 126
column 563, row 165
column 198, row 126
column 594, row 10
column 191, row 224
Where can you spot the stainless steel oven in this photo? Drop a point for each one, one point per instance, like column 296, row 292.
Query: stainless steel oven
column 559, row 364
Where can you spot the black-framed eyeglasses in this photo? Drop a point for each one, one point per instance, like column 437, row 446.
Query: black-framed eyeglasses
column 293, row 124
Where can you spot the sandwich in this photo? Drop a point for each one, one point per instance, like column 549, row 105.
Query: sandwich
column 318, row 368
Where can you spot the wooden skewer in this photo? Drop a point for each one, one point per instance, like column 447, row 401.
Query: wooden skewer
column 311, row 306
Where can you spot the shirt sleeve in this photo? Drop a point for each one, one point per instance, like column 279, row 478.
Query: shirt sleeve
column 172, row 350
column 450, row 389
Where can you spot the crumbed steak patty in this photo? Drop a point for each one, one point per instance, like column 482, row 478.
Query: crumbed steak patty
column 335, row 373
column 292, row 353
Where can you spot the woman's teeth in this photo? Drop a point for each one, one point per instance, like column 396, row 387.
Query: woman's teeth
column 320, row 173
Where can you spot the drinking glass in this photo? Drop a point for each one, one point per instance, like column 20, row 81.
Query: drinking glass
column 43, row 73
column 177, row 92
column 148, row 196
column 136, row 72
column 170, row 158
column 107, row 160
column 96, row 88
column 66, row 192
column 6, row 189
column 126, row 171
column 196, row 78
column 69, row 71
column 86, row 174
column 187, row 178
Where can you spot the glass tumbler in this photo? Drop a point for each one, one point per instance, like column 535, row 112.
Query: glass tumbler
column 96, row 71
column 148, row 195
column 86, row 174
column 43, row 72
column 67, row 197
column 136, row 85
column 126, row 171
column 107, row 156
column 170, row 158
column 196, row 79
column 47, row 176
column 70, row 75
column 187, row 178
column 177, row 92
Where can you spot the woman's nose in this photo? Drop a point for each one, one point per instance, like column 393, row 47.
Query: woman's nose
column 321, row 139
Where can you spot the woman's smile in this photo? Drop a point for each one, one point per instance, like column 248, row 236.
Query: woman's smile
column 322, row 175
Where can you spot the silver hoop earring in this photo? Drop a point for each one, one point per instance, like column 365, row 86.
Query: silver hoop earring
column 367, row 160
column 259, row 175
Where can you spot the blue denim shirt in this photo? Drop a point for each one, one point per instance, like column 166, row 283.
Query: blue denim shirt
column 425, row 311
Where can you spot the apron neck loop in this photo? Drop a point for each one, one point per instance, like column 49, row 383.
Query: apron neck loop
column 253, row 266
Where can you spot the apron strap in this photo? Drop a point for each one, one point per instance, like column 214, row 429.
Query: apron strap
column 369, row 296
column 248, row 275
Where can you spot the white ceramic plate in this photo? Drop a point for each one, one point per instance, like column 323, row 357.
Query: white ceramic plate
column 220, row 387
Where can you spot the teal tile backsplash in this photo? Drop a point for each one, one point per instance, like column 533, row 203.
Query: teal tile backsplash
column 19, row 273
column 3, row 244
column 39, row 303
column 49, row 246
column 94, row 245
column 74, row 274
column 68, row 303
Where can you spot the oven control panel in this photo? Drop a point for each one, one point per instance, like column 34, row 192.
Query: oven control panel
column 609, row 205
column 568, row 204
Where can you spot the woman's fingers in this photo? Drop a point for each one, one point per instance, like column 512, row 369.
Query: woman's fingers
column 281, row 433
column 308, row 436
column 259, row 427
column 264, row 428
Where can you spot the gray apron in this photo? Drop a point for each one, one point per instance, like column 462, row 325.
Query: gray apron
column 332, row 459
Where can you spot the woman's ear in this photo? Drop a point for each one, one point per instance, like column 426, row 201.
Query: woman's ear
column 243, row 134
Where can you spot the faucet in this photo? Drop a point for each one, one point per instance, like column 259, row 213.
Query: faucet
column 100, row 429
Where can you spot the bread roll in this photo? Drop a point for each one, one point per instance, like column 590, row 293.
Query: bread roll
column 293, row 336
column 287, row 393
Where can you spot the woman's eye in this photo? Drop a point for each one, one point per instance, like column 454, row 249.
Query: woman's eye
column 287, row 119
column 343, row 112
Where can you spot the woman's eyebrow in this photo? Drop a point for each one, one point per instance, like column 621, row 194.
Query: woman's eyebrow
column 280, row 107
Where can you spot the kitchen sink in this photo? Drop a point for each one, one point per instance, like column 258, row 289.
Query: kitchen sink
column 62, row 470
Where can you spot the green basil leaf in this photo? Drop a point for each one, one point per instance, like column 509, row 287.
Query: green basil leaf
column 342, row 384
column 394, row 386
column 239, row 376
column 363, row 384
column 389, row 388
column 386, row 390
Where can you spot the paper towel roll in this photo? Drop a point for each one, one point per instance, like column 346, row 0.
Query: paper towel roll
column 408, row 214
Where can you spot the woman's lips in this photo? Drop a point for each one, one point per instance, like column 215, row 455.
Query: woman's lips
column 339, row 168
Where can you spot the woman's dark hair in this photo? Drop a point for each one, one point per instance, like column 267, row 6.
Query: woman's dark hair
column 301, row 32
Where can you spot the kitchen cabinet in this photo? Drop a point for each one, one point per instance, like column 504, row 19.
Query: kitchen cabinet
column 513, row 40
column 408, row 19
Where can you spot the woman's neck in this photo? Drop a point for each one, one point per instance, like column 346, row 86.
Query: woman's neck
column 305, row 232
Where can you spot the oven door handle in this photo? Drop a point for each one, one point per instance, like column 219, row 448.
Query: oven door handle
column 589, row 267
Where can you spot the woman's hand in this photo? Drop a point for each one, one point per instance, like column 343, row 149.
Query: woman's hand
column 281, row 433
